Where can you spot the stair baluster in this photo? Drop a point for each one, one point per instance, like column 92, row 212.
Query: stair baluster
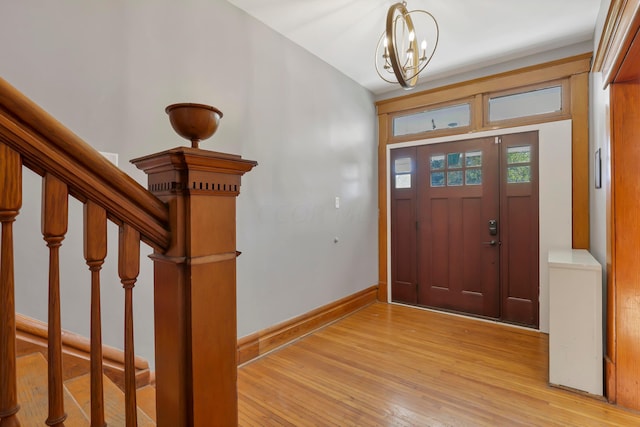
column 95, row 251
column 55, row 199
column 10, row 204
column 128, row 269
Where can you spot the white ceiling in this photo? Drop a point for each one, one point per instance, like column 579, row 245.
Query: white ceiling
column 474, row 34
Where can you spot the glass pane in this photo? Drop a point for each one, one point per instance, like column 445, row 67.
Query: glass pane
column 532, row 103
column 403, row 181
column 437, row 162
column 473, row 176
column 473, row 158
column 437, row 179
column 403, row 165
column 454, row 178
column 451, row 117
column 454, row 160
column 517, row 174
column 519, row 154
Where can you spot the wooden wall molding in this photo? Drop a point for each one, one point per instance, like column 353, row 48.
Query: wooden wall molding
column 580, row 161
column 548, row 71
column 617, row 36
column 259, row 343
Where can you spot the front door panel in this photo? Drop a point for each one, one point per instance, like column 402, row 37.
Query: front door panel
column 464, row 227
column 458, row 256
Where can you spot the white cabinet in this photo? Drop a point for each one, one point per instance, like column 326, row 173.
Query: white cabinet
column 575, row 320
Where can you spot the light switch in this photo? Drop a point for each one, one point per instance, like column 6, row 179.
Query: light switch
column 337, row 202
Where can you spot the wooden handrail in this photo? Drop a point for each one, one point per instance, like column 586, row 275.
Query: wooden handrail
column 46, row 145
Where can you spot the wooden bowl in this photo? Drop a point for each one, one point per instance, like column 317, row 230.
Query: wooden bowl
column 194, row 122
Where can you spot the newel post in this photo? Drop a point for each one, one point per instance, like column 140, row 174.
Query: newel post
column 195, row 286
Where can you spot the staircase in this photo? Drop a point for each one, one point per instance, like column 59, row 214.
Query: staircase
column 32, row 393
column 187, row 215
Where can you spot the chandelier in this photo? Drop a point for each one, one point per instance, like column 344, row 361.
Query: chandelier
column 398, row 58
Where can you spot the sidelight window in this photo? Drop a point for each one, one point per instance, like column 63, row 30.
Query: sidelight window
column 519, row 164
column 403, row 168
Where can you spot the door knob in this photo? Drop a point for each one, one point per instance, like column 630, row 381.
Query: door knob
column 491, row 243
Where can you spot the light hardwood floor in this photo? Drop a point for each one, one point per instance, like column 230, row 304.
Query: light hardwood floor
column 390, row 365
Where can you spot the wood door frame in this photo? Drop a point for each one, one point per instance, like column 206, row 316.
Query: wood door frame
column 574, row 69
column 557, row 214
column 618, row 59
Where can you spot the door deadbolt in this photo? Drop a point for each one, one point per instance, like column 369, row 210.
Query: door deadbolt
column 493, row 227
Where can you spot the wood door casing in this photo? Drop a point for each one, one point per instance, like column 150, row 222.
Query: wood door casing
column 623, row 350
column 457, row 269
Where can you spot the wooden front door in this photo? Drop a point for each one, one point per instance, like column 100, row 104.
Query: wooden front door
column 464, row 227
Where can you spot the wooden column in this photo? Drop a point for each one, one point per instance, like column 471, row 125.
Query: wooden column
column 195, row 286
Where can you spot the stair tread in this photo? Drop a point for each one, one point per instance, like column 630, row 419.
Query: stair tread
column 32, row 394
column 113, row 400
column 147, row 401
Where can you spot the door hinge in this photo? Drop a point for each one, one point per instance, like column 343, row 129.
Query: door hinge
column 498, row 140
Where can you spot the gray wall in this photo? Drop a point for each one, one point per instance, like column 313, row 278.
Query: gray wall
column 108, row 69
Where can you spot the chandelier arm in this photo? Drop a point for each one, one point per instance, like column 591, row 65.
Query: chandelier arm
column 435, row 44
column 387, row 63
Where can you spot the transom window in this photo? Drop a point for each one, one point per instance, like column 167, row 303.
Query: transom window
column 451, row 117
column 533, row 102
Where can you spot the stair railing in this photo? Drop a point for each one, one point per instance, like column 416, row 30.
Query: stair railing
column 188, row 219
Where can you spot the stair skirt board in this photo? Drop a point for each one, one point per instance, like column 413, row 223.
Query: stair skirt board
column 33, row 398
